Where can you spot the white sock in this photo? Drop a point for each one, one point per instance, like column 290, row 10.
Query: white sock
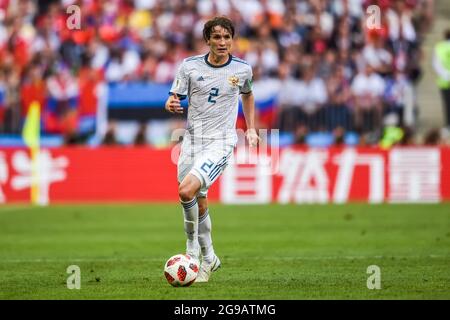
column 190, row 210
column 204, row 237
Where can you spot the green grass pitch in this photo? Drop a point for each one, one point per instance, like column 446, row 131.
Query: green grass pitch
column 267, row 251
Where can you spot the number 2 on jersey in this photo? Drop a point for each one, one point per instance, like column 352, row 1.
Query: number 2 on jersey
column 214, row 92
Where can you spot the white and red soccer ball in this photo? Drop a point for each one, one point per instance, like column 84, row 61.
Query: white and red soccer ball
column 181, row 270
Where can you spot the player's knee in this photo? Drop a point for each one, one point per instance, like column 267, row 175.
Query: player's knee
column 185, row 193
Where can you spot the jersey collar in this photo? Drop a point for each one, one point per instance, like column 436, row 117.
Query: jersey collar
column 230, row 57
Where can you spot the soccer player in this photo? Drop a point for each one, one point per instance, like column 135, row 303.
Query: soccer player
column 212, row 82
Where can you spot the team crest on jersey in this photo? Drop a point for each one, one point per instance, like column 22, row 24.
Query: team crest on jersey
column 233, row 81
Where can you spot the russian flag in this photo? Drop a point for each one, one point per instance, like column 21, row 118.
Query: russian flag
column 266, row 111
column 265, row 105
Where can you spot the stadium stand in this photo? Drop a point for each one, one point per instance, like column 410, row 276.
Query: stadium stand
column 320, row 75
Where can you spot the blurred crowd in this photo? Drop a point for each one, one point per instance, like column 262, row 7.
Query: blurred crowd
column 328, row 70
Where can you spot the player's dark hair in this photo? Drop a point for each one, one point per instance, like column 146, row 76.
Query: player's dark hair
column 224, row 22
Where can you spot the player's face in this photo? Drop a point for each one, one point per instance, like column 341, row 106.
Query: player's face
column 220, row 43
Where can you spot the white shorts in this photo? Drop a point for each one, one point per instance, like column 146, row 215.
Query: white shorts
column 206, row 162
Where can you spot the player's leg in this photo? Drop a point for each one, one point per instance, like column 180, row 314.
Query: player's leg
column 187, row 191
column 209, row 168
column 204, row 230
column 210, row 261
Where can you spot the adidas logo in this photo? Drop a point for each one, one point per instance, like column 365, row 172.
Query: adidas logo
column 200, row 79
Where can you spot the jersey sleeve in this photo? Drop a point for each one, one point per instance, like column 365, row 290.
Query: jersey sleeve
column 180, row 83
column 247, row 85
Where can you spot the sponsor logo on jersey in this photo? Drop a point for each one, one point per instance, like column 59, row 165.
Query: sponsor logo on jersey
column 200, row 78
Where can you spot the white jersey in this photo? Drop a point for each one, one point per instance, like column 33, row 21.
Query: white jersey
column 213, row 93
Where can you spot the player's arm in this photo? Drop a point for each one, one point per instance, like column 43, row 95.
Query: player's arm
column 248, row 106
column 178, row 91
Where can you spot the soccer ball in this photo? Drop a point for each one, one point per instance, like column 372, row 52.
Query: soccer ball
column 181, row 270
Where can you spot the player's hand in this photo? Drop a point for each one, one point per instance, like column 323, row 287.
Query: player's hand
column 252, row 137
column 173, row 104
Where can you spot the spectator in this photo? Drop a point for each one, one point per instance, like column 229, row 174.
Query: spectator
column 33, row 89
column 122, row 65
column 313, row 93
column 395, row 96
column 140, row 138
column 400, row 23
column 143, row 40
column 62, row 107
column 367, row 90
column 288, row 99
column 433, row 137
column 377, row 56
column 89, row 82
column 110, row 136
column 11, row 112
column 441, row 65
column 337, row 112
column 339, row 136
column 264, row 54
column 408, row 137
column 98, row 52
column 287, row 35
column 327, row 64
column 392, row 134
